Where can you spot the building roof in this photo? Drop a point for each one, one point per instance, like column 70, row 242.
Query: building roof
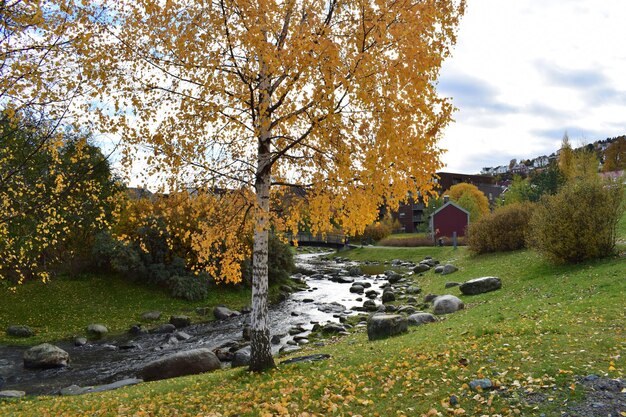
column 450, row 203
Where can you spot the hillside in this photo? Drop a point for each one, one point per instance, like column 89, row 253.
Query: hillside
column 536, row 339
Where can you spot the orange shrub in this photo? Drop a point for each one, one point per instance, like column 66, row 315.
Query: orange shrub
column 503, row 230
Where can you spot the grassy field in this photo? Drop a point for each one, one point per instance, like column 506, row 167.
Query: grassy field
column 66, row 306
column 547, row 325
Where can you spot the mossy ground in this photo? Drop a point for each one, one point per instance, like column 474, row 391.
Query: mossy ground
column 547, row 325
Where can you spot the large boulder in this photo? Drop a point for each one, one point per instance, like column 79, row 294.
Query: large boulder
column 45, row 356
column 12, row 394
column 151, row 316
column 481, row 285
column 97, row 331
column 418, row 319
column 20, row 331
column 182, row 363
column 447, row 304
column 381, row 326
column 241, row 357
column 221, row 312
column 448, row 269
column 421, row 268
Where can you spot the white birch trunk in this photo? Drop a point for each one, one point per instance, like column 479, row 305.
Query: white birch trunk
column 261, row 352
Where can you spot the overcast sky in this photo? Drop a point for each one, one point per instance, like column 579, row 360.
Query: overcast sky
column 525, row 71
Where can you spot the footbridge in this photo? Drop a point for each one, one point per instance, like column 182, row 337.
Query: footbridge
column 335, row 241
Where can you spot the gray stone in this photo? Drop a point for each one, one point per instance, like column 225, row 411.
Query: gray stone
column 394, row 278
column 381, row 326
column 413, row 290
column 370, row 305
column 447, row 304
column 357, row 289
column 448, row 269
column 241, row 357
column 97, row 330
column 407, row 310
column 80, row 341
column 137, row 330
column 333, row 328
column 221, row 312
column 438, row 269
column 246, row 333
column 422, row 267
column 20, row 331
column 164, row 328
column 151, row 316
column 418, row 319
column 180, row 321
column 388, row 296
column 481, row 285
column 452, row 284
column 182, row 363
column 45, row 356
column 182, row 336
column 344, row 280
column 363, row 284
column 290, row 349
column 12, row 394
column 481, row 384
column 296, row 330
column 355, row 271
column 390, row 308
column 430, row 297
column 275, row 340
column 430, row 262
column 333, row 307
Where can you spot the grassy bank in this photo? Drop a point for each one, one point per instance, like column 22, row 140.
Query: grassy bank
column 548, row 324
column 65, row 306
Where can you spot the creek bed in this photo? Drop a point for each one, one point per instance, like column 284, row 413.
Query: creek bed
column 119, row 357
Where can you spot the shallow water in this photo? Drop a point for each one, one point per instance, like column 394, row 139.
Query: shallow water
column 121, row 357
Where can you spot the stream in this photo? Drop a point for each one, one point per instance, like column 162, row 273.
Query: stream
column 120, row 357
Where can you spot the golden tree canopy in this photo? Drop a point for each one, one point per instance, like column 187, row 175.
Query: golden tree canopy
column 344, row 89
column 470, row 198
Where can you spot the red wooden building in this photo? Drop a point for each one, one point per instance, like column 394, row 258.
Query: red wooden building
column 448, row 219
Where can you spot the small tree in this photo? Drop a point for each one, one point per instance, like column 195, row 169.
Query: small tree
column 470, row 198
column 615, row 155
column 55, row 194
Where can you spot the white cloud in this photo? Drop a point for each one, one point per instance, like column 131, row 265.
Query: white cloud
column 523, row 72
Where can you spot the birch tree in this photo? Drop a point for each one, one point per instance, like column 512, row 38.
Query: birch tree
column 337, row 97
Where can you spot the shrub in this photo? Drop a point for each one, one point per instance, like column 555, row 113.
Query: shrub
column 503, row 230
column 578, row 223
column 379, row 230
column 190, row 287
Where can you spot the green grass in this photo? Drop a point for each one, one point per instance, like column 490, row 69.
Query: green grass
column 548, row 324
column 65, row 306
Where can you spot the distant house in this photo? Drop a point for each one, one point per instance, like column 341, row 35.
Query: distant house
column 520, row 169
column 502, row 169
column 448, row 219
column 541, row 162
